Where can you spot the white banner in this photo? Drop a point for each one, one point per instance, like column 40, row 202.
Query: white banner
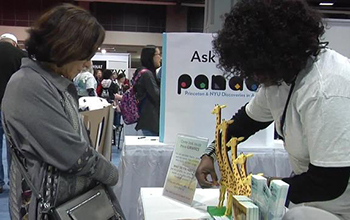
column 119, row 62
column 191, row 85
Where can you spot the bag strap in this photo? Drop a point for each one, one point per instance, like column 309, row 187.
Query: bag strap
column 25, row 174
column 285, row 108
column 20, row 165
column 138, row 75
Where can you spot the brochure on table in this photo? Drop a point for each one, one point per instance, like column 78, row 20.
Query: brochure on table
column 191, row 85
column 180, row 183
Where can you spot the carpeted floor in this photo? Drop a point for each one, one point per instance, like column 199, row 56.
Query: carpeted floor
column 4, row 214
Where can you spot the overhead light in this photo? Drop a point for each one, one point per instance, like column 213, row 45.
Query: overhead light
column 103, row 51
column 326, row 4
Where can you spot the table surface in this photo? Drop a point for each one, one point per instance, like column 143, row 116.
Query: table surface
column 145, row 161
column 153, row 206
column 154, row 141
column 143, row 141
column 129, row 130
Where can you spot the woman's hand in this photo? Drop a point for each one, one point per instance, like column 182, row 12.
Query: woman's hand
column 205, row 168
column 118, row 97
column 269, row 179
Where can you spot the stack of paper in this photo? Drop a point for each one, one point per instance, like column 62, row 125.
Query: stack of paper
column 244, row 209
column 261, row 195
column 271, row 200
column 279, row 191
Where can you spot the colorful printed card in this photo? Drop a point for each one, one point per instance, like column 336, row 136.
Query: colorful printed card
column 180, row 183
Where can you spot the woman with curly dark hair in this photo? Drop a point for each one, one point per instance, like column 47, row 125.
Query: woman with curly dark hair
column 304, row 90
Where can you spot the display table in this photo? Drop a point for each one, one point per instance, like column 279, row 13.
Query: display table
column 152, row 205
column 144, row 163
column 270, row 160
column 129, row 130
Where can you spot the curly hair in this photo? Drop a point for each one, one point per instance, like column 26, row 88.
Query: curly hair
column 269, row 41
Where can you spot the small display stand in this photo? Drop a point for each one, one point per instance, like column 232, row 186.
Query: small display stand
column 215, row 211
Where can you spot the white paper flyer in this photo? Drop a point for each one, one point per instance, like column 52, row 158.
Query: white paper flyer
column 180, row 183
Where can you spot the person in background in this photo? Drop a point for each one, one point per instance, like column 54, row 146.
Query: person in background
column 120, row 79
column 114, row 76
column 85, row 82
column 10, row 61
column 120, row 83
column 108, row 88
column 109, row 91
column 126, row 85
column 40, row 116
column 147, row 92
column 305, row 90
column 98, row 75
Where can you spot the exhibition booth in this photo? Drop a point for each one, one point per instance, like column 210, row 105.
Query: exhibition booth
column 157, row 175
column 191, row 86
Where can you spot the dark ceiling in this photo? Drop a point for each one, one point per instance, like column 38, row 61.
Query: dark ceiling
column 180, row 1
column 337, row 4
column 339, row 9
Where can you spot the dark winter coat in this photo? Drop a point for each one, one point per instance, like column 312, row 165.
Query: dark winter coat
column 147, row 92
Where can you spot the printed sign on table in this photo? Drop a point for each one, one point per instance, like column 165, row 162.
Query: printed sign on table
column 180, row 183
column 192, row 85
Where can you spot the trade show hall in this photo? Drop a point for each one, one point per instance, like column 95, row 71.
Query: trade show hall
column 174, row 109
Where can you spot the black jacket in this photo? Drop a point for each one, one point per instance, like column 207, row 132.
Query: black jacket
column 10, row 62
column 111, row 87
column 147, row 92
column 317, row 184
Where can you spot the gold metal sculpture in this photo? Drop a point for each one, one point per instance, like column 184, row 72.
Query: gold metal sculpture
column 234, row 179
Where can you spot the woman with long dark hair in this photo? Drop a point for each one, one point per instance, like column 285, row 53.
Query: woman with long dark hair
column 147, row 91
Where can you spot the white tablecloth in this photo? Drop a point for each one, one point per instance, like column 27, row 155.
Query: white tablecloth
column 270, row 160
column 153, row 206
column 129, row 130
column 144, row 163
